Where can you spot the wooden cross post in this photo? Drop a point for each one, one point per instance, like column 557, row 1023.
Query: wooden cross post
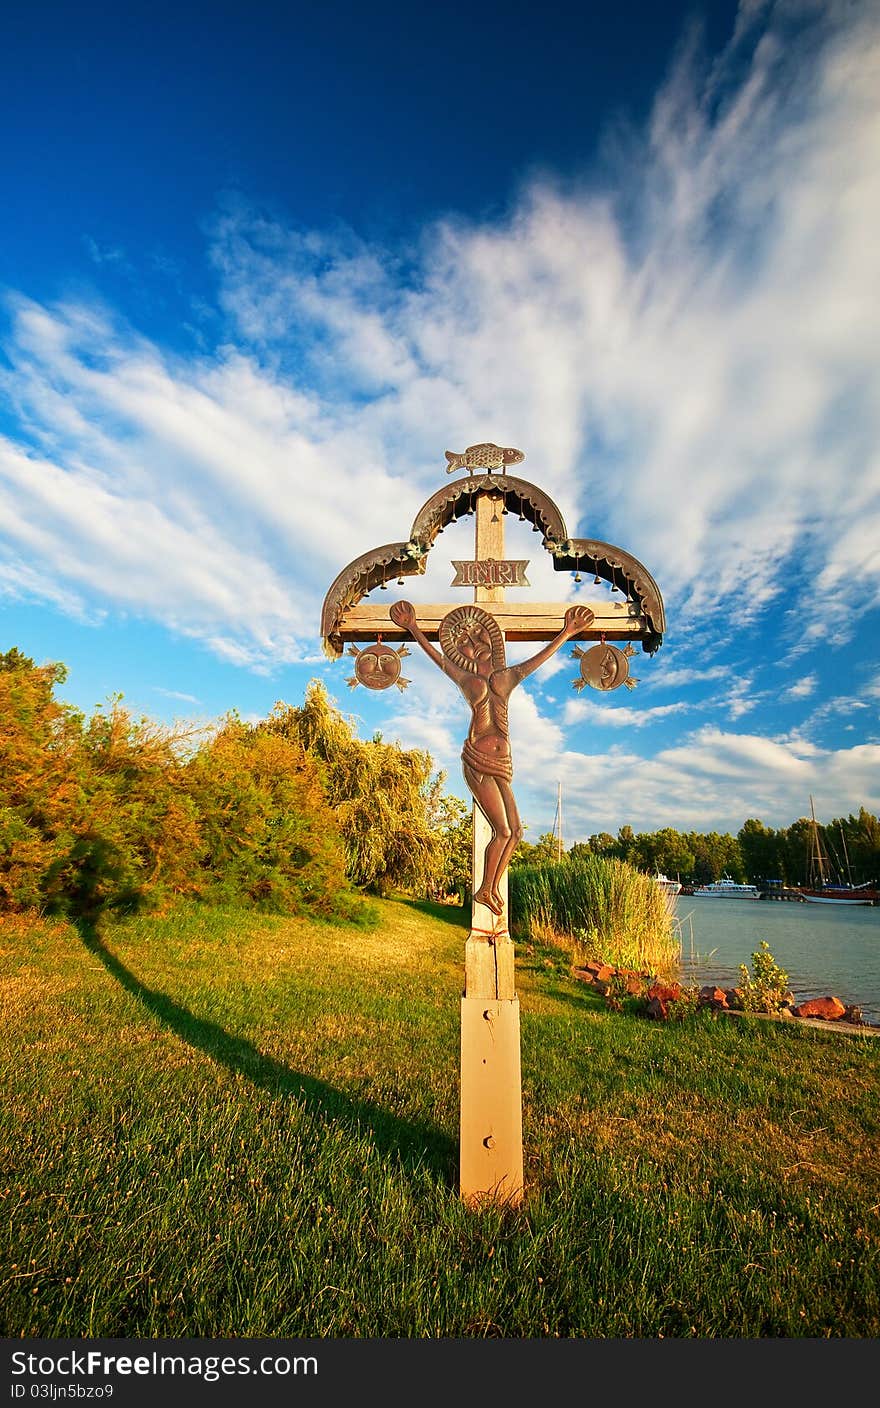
column 491, row 1149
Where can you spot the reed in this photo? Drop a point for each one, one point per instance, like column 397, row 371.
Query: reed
column 595, row 907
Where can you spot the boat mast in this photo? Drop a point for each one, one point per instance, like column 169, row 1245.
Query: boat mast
column 557, row 821
column 817, row 859
column 845, row 854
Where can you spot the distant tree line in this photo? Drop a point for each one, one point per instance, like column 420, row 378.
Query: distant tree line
column 755, row 855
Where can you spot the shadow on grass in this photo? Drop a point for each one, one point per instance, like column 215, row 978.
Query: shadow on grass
column 411, row 1144
column 560, row 986
column 448, row 913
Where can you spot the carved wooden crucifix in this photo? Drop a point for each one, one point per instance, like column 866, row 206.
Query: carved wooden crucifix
column 472, row 655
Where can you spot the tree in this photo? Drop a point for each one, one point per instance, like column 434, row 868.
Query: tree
column 134, row 838
column 93, row 815
column 625, row 842
column 797, row 845
column 864, row 837
column 602, row 844
column 117, row 813
column 716, row 855
column 672, row 854
column 666, row 850
column 451, row 820
column 378, row 791
column 762, row 852
column 39, row 792
column 858, row 840
column 268, row 835
column 534, row 853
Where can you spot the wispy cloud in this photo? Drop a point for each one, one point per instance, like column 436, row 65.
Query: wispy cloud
column 176, row 694
column 713, row 779
column 106, row 254
column 682, row 676
column 739, row 698
column 19, row 581
column 618, row 715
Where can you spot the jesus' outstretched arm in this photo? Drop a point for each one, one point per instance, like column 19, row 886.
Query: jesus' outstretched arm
column 577, row 619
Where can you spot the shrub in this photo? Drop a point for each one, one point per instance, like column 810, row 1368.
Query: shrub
column 268, row 836
column 766, row 988
column 41, row 793
column 380, row 794
column 116, row 813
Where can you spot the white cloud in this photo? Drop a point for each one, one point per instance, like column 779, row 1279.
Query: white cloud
column 19, row 581
column 739, row 699
column 176, row 694
column 618, row 715
column 712, row 780
column 106, row 254
column 802, row 688
column 675, row 678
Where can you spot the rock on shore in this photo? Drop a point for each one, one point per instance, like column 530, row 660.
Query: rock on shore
column 663, row 1001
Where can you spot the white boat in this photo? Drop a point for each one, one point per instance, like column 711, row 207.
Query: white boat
column 725, row 888
column 670, row 889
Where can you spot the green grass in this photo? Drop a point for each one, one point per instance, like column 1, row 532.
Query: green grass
column 225, row 1124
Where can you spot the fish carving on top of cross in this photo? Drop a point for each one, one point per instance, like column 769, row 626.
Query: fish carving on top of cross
column 472, row 655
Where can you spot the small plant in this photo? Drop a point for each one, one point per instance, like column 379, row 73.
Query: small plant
column 618, row 997
column 686, row 1005
column 766, row 988
column 587, row 942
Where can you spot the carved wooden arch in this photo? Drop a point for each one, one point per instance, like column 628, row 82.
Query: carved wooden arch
column 624, row 572
column 458, row 499
column 371, row 569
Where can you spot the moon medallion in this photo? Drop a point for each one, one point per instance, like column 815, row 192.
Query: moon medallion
column 604, row 667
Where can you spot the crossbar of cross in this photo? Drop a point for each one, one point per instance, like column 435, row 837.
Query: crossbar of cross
column 518, row 620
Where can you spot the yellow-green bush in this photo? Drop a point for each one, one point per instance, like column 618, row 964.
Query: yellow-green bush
column 114, row 813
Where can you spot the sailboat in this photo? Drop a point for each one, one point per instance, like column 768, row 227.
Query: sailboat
column 821, row 889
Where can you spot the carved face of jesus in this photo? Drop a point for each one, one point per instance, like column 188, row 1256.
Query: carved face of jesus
column 471, row 639
column 474, row 646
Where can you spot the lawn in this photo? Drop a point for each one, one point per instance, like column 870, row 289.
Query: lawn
column 223, row 1124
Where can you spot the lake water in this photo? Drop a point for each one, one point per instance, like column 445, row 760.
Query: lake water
column 826, row 950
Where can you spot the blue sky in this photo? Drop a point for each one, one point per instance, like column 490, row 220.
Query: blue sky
column 261, row 266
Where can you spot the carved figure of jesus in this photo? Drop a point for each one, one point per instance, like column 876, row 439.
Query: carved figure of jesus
column 473, row 657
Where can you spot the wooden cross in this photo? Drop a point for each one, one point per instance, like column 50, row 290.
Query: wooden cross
column 491, row 1152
